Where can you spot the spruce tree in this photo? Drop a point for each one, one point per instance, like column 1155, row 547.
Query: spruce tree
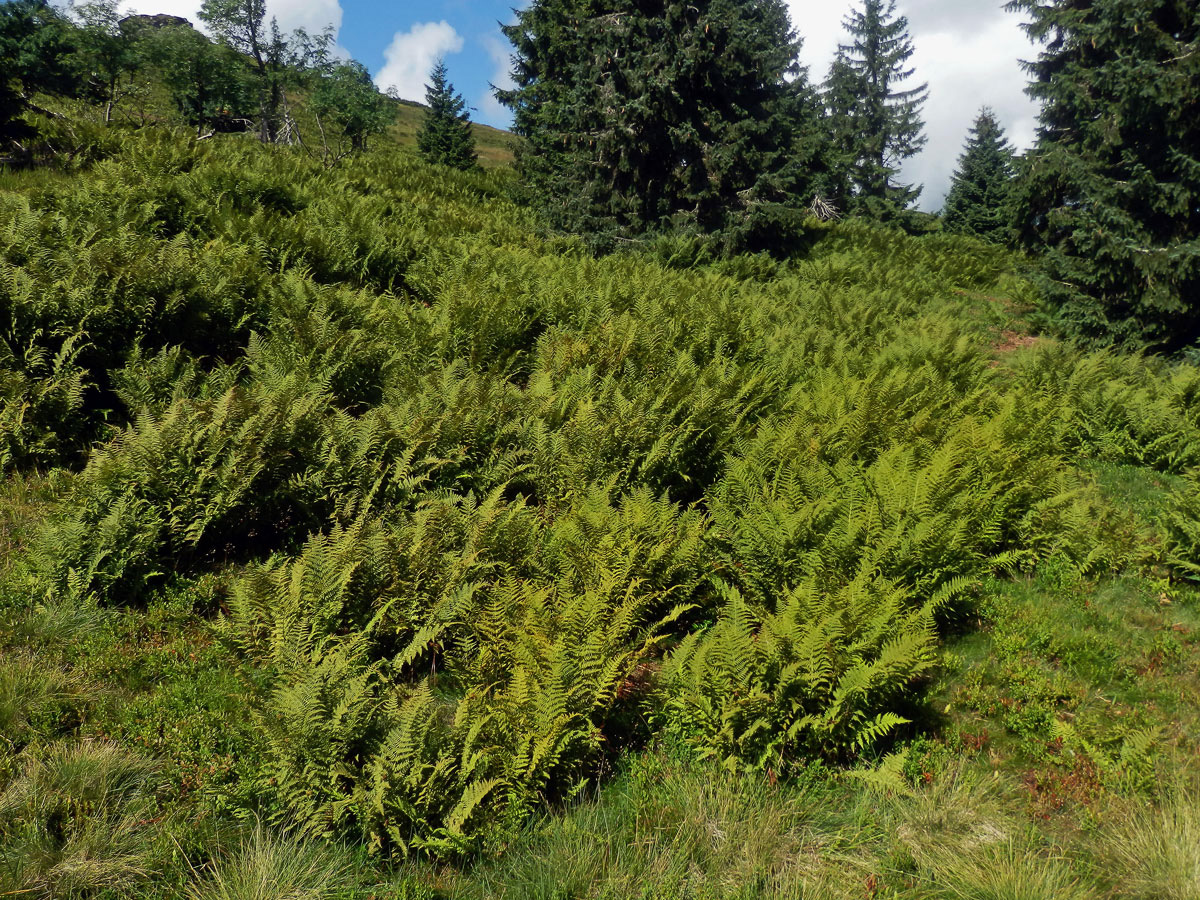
column 445, row 136
column 1110, row 194
column 662, row 114
column 978, row 201
column 875, row 125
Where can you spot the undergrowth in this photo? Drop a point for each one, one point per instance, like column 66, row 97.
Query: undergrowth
column 352, row 531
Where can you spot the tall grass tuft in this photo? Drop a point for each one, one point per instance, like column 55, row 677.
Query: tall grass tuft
column 29, row 694
column 77, row 821
column 272, row 866
column 1154, row 851
column 1009, row 870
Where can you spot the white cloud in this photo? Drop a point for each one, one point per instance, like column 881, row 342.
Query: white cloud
column 312, row 15
column 967, row 50
column 820, row 25
column 967, row 71
column 411, row 55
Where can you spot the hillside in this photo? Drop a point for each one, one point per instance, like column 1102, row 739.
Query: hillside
column 361, row 541
column 495, row 147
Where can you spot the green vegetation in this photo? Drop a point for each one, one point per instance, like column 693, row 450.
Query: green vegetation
column 361, row 537
column 34, row 43
column 671, row 116
column 693, row 120
column 361, row 541
column 874, row 122
column 445, row 136
column 1110, row 195
column 141, row 70
column 980, row 198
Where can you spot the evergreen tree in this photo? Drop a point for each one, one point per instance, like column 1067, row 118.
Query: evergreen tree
column 692, row 113
column 445, row 135
column 874, row 124
column 1111, row 192
column 980, row 189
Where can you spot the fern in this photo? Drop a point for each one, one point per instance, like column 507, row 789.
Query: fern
column 820, row 674
column 1182, row 524
column 490, row 510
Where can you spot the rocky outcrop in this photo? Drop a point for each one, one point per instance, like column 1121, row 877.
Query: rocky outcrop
column 162, row 20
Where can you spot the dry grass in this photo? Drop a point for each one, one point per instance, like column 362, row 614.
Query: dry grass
column 1153, row 851
column 269, row 866
column 495, row 147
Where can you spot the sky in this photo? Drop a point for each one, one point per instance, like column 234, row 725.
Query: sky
column 968, row 51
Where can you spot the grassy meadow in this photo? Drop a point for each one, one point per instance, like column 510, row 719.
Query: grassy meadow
column 358, row 539
column 493, row 146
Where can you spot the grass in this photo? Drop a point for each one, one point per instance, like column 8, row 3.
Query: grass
column 1003, row 803
column 1057, row 755
column 29, row 179
column 688, row 831
column 76, row 820
column 270, row 866
column 23, row 502
column 1006, row 871
column 1157, row 848
column 494, row 147
column 32, row 697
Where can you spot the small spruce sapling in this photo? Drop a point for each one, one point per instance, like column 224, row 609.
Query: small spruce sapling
column 445, row 136
column 978, row 202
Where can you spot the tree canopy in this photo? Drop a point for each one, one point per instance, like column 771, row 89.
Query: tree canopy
column 1110, row 195
column 37, row 53
column 242, row 26
column 981, row 188
column 687, row 113
column 347, row 96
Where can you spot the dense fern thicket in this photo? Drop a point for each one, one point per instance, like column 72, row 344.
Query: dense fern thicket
column 484, row 512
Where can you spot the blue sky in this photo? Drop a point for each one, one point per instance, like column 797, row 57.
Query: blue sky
column 967, row 50
column 399, row 42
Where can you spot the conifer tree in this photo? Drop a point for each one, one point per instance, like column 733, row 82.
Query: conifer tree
column 980, row 189
column 661, row 114
column 445, row 136
column 875, row 124
column 1111, row 192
